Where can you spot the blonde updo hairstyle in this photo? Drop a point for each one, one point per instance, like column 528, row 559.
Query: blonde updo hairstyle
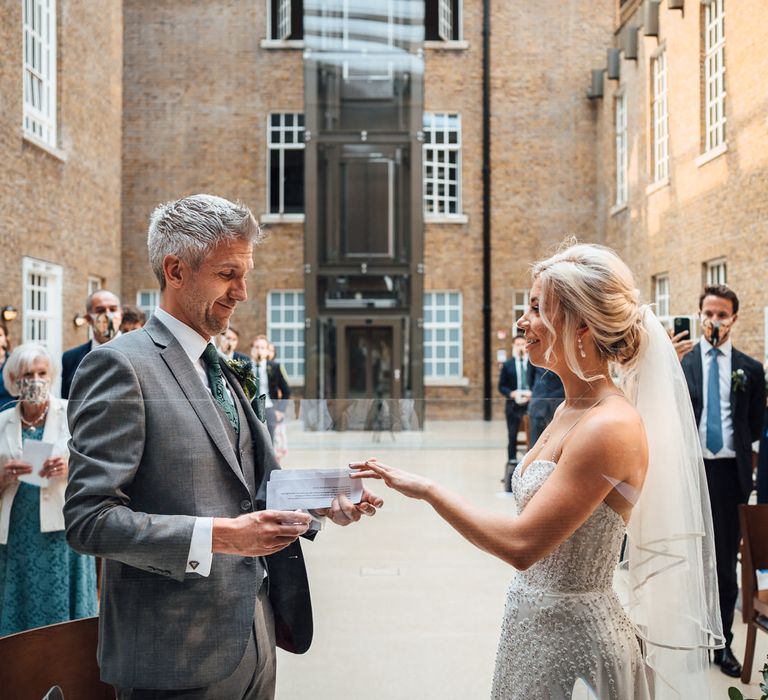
column 589, row 285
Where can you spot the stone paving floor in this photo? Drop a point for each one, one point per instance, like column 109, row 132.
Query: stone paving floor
column 404, row 607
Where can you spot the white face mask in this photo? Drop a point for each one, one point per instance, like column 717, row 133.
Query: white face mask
column 34, row 390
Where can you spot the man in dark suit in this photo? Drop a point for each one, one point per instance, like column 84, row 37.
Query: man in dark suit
column 547, row 394
column 727, row 390
column 513, row 384
column 270, row 374
column 168, row 472
column 104, row 315
column 227, row 343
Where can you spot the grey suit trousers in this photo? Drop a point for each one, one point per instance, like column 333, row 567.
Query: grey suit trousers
column 254, row 677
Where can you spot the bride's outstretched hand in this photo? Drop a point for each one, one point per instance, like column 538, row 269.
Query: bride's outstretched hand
column 408, row 484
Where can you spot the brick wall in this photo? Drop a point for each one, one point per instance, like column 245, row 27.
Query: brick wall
column 707, row 210
column 198, row 91
column 64, row 207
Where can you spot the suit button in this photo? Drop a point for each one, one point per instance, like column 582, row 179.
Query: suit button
column 248, row 561
column 245, row 506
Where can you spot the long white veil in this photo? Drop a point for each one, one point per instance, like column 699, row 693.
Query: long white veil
column 670, row 553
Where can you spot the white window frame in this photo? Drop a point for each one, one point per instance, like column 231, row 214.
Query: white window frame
column 148, row 300
column 295, row 366
column 661, row 296
column 431, row 308
column 622, row 155
column 42, row 307
column 717, row 272
column 520, row 303
column 94, row 284
column 39, row 70
column 660, row 112
column 445, row 20
column 714, row 75
column 438, row 152
column 283, row 20
column 279, row 144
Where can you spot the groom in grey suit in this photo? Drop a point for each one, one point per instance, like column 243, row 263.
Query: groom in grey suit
column 168, row 472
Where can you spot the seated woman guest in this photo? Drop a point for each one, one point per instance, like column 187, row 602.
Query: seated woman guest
column 42, row 580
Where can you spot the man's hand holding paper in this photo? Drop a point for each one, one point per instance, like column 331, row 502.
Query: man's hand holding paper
column 325, row 492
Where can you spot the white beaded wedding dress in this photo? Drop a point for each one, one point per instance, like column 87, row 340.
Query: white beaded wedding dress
column 563, row 621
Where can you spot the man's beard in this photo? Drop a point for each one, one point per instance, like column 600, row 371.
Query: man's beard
column 209, row 322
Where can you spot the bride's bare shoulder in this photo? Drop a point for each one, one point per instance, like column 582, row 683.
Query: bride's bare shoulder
column 613, row 434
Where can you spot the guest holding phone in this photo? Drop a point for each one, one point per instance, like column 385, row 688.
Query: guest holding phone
column 42, row 580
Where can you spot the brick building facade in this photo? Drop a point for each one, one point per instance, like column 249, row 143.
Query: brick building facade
column 60, row 199
column 185, row 97
column 694, row 208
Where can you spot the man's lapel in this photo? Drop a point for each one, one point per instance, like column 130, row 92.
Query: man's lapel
column 736, row 364
column 198, row 396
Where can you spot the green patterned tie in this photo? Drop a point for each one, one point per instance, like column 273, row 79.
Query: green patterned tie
column 216, row 380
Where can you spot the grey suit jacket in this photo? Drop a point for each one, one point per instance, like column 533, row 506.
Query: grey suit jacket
column 149, row 453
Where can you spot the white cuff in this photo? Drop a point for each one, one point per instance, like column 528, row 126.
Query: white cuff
column 201, row 548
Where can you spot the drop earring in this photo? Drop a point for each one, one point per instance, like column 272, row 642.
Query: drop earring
column 580, row 343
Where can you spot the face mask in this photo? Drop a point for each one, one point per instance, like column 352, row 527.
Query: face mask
column 34, row 390
column 104, row 324
column 716, row 332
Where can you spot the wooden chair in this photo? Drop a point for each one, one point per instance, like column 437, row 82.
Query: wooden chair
column 754, row 555
column 64, row 655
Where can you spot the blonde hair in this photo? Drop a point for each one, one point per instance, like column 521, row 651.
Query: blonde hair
column 589, row 285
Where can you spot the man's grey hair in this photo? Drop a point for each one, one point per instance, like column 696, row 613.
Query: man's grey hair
column 21, row 359
column 190, row 228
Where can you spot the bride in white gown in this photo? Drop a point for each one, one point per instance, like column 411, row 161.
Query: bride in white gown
column 611, row 456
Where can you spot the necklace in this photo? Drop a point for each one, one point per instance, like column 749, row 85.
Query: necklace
column 36, row 422
column 548, row 432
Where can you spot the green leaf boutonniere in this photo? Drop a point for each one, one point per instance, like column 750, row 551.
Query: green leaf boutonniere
column 738, row 380
column 243, row 371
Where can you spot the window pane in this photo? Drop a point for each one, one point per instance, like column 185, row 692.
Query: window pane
column 294, row 181
column 274, row 181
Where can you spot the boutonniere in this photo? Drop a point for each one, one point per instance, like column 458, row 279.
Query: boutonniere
column 246, row 377
column 738, row 380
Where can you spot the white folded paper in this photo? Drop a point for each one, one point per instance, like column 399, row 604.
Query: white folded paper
column 35, row 452
column 304, row 489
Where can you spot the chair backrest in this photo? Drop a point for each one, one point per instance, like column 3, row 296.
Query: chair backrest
column 63, row 655
column 754, row 551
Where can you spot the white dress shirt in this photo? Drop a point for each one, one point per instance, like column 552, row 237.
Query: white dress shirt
column 261, row 368
column 193, row 344
column 724, row 365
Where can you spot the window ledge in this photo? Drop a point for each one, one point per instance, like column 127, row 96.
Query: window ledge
column 281, row 219
column 656, row 186
column 281, row 43
column 43, row 146
column 446, row 381
column 713, row 153
column 452, row 219
column 453, row 45
column 618, row 208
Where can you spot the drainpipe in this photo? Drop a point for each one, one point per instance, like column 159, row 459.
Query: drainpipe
column 487, row 367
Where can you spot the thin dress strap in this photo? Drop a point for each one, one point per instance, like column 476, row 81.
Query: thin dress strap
column 567, row 432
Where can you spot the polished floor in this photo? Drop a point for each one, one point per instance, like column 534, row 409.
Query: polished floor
column 404, row 607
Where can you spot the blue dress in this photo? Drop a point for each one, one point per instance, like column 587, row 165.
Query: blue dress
column 42, row 580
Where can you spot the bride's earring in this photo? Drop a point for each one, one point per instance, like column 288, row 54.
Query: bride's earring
column 580, row 343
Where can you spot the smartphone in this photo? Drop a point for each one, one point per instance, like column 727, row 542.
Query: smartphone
column 680, row 324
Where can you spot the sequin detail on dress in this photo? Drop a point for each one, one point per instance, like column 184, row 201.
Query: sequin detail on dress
column 563, row 621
